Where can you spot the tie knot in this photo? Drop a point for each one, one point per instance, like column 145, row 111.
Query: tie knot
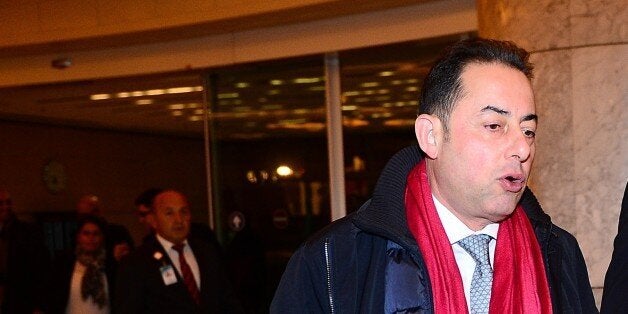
column 477, row 246
column 178, row 247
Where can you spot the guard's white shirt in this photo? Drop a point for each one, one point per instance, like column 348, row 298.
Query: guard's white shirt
column 187, row 253
column 456, row 230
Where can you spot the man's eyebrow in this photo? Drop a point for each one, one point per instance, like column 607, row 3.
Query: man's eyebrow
column 527, row 117
column 495, row 109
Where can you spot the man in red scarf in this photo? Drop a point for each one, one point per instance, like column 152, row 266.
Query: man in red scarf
column 410, row 248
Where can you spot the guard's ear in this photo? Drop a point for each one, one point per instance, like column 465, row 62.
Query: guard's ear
column 428, row 130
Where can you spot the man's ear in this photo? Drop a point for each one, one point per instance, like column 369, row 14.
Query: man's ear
column 427, row 129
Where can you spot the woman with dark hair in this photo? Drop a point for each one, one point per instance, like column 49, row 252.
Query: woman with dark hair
column 81, row 280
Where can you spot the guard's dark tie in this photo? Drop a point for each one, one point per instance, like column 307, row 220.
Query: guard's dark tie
column 186, row 272
column 481, row 284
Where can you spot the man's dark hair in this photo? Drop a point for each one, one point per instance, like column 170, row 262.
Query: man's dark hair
column 147, row 197
column 442, row 87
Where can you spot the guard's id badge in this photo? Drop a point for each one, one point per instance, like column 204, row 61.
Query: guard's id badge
column 168, row 275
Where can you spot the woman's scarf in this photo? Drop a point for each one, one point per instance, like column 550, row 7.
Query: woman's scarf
column 93, row 281
column 519, row 281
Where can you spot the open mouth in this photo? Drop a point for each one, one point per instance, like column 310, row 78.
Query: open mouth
column 513, row 183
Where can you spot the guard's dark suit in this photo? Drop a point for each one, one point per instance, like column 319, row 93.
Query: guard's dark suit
column 140, row 287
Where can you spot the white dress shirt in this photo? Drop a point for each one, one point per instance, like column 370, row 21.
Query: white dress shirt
column 456, row 230
column 189, row 258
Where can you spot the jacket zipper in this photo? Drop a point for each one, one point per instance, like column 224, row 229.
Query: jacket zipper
column 328, row 268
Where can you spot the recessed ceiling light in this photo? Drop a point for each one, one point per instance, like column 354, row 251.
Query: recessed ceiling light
column 99, row 96
column 143, row 101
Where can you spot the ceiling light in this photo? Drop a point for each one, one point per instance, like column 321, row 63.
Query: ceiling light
column 177, row 113
column 396, row 82
column 198, row 111
column 386, row 73
column 228, row 95
column 176, row 106
column 412, row 89
column 242, row 85
column 349, row 108
column 195, row 118
column 307, row 80
column 383, row 91
column 284, row 171
column 137, row 93
column 143, row 101
column 351, row 93
column 197, row 88
column 412, row 81
column 276, row 82
column 154, row 92
column 369, row 84
column 180, row 90
column 123, row 94
column 99, row 96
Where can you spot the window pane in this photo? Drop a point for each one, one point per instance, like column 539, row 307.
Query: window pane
column 380, row 92
column 269, row 167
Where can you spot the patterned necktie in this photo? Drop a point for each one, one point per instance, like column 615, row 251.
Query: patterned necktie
column 477, row 246
column 186, row 272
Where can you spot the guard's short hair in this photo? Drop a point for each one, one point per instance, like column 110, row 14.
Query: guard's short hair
column 147, row 197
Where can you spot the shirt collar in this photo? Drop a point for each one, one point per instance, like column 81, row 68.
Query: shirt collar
column 167, row 244
column 455, row 229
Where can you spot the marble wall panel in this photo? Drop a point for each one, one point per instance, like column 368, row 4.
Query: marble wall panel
column 600, row 98
column 598, row 22
column 534, row 25
column 552, row 177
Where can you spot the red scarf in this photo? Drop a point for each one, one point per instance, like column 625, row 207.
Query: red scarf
column 519, row 282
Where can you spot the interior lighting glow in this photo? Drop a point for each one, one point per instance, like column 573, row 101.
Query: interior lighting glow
column 123, row 94
column 193, row 105
column 351, row 93
column 195, row 118
column 242, row 85
column 301, row 111
column 387, row 105
column 383, row 91
column 228, row 95
column 284, row 171
column 396, row 82
column 349, row 108
column 412, row 81
column 369, row 84
column 180, row 90
column 412, row 89
column 317, row 88
column 276, row 82
column 273, row 92
column 154, row 92
column 176, row 106
column 271, row 107
column 177, row 113
column 386, row 73
column 143, row 102
column 198, row 111
column 197, row 88
column 137, row 93
column 307, row 80
column 99, row 96
column 362, row 99
column 369, row 92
